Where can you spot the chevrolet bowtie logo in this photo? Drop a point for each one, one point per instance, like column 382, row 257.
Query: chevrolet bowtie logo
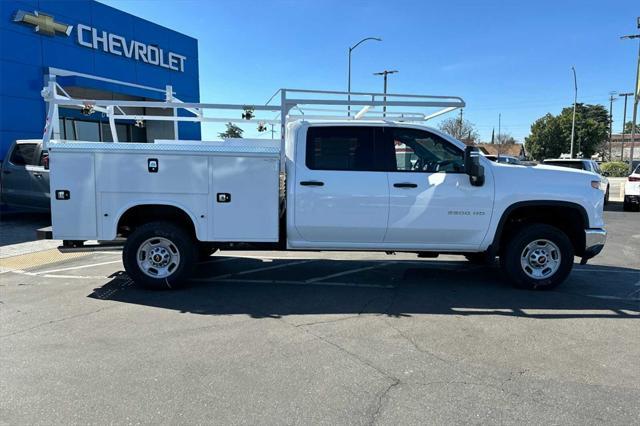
column 44, row 23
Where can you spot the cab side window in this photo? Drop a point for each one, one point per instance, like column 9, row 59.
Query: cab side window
column 341, row 148
column 420, row 151
column 24, row 155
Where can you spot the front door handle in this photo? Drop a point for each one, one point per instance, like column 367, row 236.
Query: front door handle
column 311, row 183
column 38, row 175
column 405, row 185
column 6, row 172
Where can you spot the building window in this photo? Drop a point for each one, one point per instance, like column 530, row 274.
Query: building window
column 99, row 131
column 122, row 130
column 87, row 130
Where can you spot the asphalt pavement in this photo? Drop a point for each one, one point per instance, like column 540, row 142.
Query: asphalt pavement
column 321, row 338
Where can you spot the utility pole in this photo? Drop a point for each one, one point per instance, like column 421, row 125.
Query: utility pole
column 385, row 73
column 575, row 101
column 611, row 99
column 499, row 133
column 624, row 122
column 461, row 123
column 349, row 74
column 636, row 97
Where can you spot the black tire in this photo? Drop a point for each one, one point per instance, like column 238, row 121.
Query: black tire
column 514, row 249
column 181, row 241
column 626, row 206
column 205, row 251
column 606, row 197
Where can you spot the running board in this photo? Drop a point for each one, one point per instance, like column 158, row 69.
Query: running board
column 69, row 246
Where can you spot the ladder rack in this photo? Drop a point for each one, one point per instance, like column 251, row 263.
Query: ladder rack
column 295, row 104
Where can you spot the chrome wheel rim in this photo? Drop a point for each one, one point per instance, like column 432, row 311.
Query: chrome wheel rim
column 540, row 259
column 158, row 257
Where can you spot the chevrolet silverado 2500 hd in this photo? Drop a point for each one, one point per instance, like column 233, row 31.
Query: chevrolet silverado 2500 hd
column 378, row 184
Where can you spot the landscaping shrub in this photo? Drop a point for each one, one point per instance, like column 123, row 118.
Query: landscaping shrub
column 615, row 168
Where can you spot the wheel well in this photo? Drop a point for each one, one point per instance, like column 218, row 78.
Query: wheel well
column 146, row 213
column 569, row 219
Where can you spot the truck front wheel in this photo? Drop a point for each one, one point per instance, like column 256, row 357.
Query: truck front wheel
column 159, row 255
column 537, row 257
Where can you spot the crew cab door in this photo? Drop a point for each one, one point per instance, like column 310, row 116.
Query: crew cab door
column 340, row 196
column 432, row 203
column 39, row 174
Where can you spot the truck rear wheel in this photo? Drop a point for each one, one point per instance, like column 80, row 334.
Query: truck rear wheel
column 537, row 257
column 159, row 256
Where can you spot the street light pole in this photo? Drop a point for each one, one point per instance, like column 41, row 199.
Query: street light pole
column 636, row 97
column 624, row 122
column 611, row 99
column 351, row 49
column 385, row 73
column 575, row 100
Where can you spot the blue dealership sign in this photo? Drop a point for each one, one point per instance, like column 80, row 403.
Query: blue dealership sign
column 90, row 38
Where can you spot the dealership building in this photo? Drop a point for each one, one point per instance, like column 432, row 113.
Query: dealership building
column 93, row 51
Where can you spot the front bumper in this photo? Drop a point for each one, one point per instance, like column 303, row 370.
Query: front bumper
column 594, row 243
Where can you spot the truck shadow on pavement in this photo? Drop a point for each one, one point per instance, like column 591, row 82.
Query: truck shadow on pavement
column 396, row 289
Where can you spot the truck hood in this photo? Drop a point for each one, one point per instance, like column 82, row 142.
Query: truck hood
column 564, row 170
column 544, row 171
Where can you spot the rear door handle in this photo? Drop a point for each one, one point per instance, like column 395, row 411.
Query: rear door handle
column 405, row 185
column 6, row 172
column 38, row 175
column 311, row 183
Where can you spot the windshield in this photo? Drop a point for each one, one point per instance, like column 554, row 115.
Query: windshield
column 637, row 170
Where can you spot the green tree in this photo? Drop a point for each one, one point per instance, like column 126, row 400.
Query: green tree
column 592, row 128
column 232, row 132
column 551, row 135
column 629, row 125
column 546, row 139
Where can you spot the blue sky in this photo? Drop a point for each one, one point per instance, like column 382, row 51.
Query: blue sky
column 508, row 57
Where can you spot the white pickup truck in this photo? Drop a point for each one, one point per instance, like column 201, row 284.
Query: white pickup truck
column 349, row 184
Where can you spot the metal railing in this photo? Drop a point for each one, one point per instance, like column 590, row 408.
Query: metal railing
column 294, row 104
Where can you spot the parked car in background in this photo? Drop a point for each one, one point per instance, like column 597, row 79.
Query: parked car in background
column 24, row 176
column 506, row 159
column 582, row 164
column 632, row 191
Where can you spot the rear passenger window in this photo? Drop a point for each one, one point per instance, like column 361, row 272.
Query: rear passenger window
column 340, row 148
column 24, row 154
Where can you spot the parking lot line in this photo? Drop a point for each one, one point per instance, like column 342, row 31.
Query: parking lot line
column 251, row 271
column 219, row 260
column 350, row 271
column 71, row 268
column 289, row 282
column 608, row 271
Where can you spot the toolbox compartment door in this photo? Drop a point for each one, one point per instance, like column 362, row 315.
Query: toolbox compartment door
column 244, row 198
column 73, row 195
